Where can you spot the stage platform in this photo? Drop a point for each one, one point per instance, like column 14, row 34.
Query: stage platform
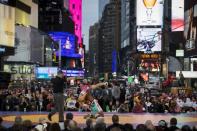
column 133, row 118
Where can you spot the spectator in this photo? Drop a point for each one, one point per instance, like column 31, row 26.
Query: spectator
column 72, row 125
column 173, row 123
column 128, row 127
column 17, row 126
column 150, row 125
column 2, row 128
column 42, row 126
column 89, row 125
column 162, row 126
column 27, row 125
column 141, row 127
column 69, row 116
column 55, row 127
column 115, row 121
column 100, row 124
column 186, row 128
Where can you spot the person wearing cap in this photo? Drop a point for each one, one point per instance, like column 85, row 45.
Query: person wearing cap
column 58, row 93
column 87, row 101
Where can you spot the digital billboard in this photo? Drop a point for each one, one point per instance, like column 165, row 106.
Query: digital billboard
column 46, row 72
column 74, row 73
column 149, row 65
column 149, row 39
column 177, row 23
column 76, row 13
column 7, row 25
column 149, row 12
column 67, row 44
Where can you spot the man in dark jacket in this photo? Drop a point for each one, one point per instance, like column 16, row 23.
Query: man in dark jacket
column 115, row 120
column 58, row 93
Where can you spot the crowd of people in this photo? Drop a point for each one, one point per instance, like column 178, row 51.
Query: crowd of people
column 115, row 98
column 98, row 124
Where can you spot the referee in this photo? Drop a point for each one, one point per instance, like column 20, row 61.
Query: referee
column 58, row 93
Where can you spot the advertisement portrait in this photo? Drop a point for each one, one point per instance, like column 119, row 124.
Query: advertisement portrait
column 7, row 25
column 177, row 23
column 149, row 39
column 149, row 12
column 67, row 44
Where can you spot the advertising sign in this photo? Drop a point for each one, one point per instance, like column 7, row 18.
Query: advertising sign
column 67, row 43
column 149, row 39
column 7, row 25
column 19, row 70
column 179, row 53
column 149, row 12
column 46, row 72
column 177, row 23
column 74, row 73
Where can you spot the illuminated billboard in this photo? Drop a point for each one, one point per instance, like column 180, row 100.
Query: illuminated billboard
column 177, row 23
column 46, row 72
column 75, row 8
column 74, row 73
column 7, row 25
column 67, row 44
column 149, row 12
column 149, row 39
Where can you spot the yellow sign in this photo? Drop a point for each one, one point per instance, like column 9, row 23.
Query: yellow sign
column 7, row 25
column 150, row 56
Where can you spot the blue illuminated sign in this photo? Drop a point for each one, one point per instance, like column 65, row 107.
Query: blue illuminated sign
column 46, row 72
column 114, row 61
column 67, row 44
column 74, row 73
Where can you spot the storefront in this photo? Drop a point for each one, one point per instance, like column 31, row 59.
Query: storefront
column 20, row 70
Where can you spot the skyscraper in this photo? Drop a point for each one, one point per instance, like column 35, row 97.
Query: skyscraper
column 109, row 37
column 94, row 51
column 102, row 4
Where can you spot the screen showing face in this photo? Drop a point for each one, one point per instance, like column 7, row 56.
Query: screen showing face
column 67, row 42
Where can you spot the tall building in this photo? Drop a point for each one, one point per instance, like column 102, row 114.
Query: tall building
column 128, row 37
column 101, row 8
column 94, row 49
column 109, row 38
column 20, row 12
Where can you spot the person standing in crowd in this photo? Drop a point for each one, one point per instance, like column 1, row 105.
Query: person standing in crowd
column 181, row 79
column 58, row 92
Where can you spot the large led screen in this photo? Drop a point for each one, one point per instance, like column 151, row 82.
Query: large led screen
column 46, row 72
column 7, row 25
column 149, row 39
column 177, row 23
column 67, row 44
column 149, row 12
